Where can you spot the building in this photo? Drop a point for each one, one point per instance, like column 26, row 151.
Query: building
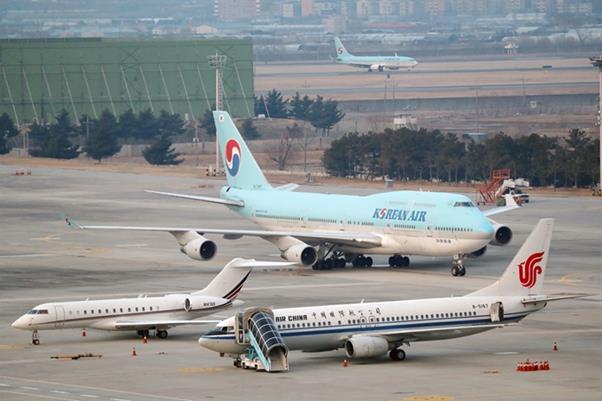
column 39, row 78
column 234, row 10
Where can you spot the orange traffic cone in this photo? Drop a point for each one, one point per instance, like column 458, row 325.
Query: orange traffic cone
column 144, row 340
column 84, row 332
column 134, row 351
column 555, row 346
column 345, row 363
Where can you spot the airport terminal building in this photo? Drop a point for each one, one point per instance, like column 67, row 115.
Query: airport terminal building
column 40, row 77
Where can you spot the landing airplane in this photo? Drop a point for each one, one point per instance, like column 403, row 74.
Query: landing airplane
column 372, row 63
column 367, row 330
column 329, row 230
column 144, row 313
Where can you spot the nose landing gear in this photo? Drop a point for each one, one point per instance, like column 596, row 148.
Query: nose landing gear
column 458, row 268
column 35, row 338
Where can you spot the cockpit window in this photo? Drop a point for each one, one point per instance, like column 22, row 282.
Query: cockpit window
column 464, row 204
column 38, row 312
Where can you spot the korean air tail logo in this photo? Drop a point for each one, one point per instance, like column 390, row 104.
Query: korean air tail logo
column 233, row 156
column 529, row 270
column 340, row 50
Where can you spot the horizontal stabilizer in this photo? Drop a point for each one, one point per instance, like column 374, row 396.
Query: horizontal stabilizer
column 288, row 187
column 510, row 205
column 552, row 297
column 209, row 199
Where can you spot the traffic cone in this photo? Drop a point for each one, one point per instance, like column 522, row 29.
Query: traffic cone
column 555, row 346
column 134, row 351
column 345, row 363
column 144, row 340
column 84, row 332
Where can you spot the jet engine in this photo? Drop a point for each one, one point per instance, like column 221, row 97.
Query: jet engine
column 366, row 347
column 376, row 67
column 192, row 303
column 301, row 253
column 199, row 249
column 502, row 235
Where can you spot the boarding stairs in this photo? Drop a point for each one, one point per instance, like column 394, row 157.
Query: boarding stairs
column 266, row 350
column 488, row 192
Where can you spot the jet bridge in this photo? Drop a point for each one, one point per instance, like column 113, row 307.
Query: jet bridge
column 266, row 350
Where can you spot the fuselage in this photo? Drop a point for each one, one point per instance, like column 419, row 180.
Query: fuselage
column 409, row 222
column 390, row 62
column 106, row 314
column 322, row 328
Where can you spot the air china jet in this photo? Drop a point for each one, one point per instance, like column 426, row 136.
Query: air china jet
column 374, row 329
column 372, row 63
column 144, row 313
column 330, row 230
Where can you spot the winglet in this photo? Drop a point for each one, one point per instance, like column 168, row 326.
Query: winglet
column 70, row 223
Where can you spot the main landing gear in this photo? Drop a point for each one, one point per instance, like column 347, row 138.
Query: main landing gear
column 458, row 268
column 161, row 334
column 399, row 261
column 35, row 338
column 397, row 354
column 330, row 263
column 362, row 261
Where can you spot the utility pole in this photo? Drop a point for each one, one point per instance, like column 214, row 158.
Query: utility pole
column 217, row 61
column 597, row 62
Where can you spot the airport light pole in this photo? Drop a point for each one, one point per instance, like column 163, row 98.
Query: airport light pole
column 217, row 61
column 597, row 62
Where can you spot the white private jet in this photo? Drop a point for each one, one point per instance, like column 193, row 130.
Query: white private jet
column 144, row 313
column 373, row 329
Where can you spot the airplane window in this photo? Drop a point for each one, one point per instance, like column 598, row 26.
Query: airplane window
column 136, row 309
column 432, row 316
column 32, row 312
column 150, row 308
column 143, row 309
column 339, row 323
column 100, row 311
column 129, row 309
column 463, row 204
column 43, row 311
column 92, row 311
column 106, row 310
column 114, row 310
column 120, row 309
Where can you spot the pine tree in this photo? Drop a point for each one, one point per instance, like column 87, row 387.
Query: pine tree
column 128, row 125
column 57, row 143
column 102, row 141
column 300, row 107
column 208, row 123
column 248, row 130
column 7, row 130
column 276, row 104
column 161, row 153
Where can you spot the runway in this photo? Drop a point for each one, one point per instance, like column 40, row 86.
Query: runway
column 42, row 260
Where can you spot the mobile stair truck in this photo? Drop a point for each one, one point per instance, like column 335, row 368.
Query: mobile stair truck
column 256, row 329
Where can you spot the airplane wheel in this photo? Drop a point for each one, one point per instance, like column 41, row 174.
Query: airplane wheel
column 369, row 261
column 35, row 342
column 341, row 263
column 405, row 261
column 462, row 271
column 455, row 270
column 397, row 354
column 162, row 333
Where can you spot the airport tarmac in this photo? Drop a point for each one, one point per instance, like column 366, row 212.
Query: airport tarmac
column 42, row 260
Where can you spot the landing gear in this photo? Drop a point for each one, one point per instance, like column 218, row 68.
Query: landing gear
column 335, row 261
column 399, row 261
column 458, row 268
column 35, row 338
column 162, row 334
column 362, row 261
column 143, row 333
column 397, row 354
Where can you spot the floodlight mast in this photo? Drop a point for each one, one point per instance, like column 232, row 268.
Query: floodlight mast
column 597, row 62
column 217, row 61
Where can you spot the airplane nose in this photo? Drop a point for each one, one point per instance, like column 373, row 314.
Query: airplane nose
column 19, row 323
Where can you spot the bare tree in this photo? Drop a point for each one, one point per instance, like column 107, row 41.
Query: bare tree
column 281, row 152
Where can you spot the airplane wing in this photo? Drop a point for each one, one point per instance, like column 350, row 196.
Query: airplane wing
column 200, row 198
column 146, row 324
column 359, row 239
column 426, row 333
column 510, row 205
column 287, row 187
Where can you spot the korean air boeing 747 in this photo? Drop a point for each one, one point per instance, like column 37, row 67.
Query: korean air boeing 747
column 329, row 230
column 372, row 63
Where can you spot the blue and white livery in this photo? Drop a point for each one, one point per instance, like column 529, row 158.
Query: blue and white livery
column 372, row 63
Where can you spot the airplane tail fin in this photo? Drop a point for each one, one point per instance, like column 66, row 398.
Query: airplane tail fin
column 230, row 280
column 340, row 48
column 524, row 276
column 242, row 171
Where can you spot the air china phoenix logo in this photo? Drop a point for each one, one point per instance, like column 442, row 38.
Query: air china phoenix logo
column 233, row 156
column 529, row 270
